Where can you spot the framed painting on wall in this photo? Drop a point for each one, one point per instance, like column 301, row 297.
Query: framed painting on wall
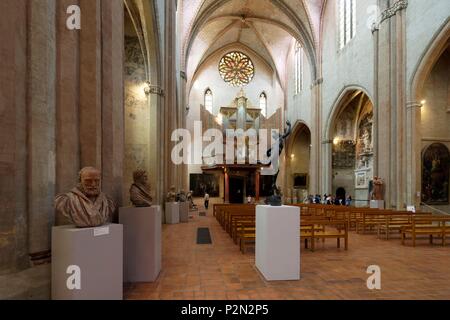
column 201, row 183
column 300, row 181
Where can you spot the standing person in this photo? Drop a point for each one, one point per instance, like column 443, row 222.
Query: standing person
column 348, row 203
column 206, row 200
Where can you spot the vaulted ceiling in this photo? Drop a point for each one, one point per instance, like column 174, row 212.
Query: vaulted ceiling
column 267, row 27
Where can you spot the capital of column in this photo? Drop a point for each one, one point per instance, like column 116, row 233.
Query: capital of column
column 413, row 105
column 316, row 82
column 152, row 89
column 392, row 11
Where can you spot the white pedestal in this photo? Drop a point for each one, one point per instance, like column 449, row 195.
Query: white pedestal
column 184, row 212
column 172, row 212
column 278, row 242
column 87, row 264
column 377, row 204
column 141, row 243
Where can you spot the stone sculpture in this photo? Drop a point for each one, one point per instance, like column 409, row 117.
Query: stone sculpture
column 85, row 205
column 189, row 198
column 171, row 195
column 140, row 190
column 181, row 196
column 378, row 189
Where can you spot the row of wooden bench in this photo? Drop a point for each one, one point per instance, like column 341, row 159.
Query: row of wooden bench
column 362, row 220
column 239, row 221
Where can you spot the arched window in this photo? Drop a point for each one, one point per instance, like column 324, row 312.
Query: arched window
column 209, row 100
column 347, row 21
column 263, row 104
column 298, row 68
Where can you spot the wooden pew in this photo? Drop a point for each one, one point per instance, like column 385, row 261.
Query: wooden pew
column 430, row 225
column 395, row 222
column 324, row 229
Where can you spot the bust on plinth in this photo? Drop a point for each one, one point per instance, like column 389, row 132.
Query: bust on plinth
column 85, row 205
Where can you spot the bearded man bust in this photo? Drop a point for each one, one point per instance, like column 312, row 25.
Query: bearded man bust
column 85, row 205
column 140, row 190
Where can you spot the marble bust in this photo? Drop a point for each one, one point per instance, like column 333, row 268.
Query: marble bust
column 140, row 191
column 171, row 195
column 85, row 205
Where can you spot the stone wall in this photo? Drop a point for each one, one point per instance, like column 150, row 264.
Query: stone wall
column 61, row 107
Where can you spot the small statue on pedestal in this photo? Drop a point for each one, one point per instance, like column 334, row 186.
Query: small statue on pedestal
column 181, row 196
column 140, row 190
column 378, row 189
column 85, row 205
column 275, row 200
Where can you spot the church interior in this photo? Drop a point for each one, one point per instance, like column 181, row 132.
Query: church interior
column 155, row 138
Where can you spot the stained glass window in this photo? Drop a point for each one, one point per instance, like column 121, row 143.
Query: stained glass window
column 263, row 104
column 236, row 69
column 209, row 100
column 347, row 21
column 298, row 68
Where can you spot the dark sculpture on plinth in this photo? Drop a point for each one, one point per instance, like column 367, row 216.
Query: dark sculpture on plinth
column 140, row 190
column 276, row 198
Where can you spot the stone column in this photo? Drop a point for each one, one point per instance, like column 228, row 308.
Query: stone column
column 13, row 134
column 41, row 125
column 391, row 159
column 413, row 142
column 327, row 177
column 385, row 106
column 316, row 138
column 91, row 83
column 112, row 98
column 257, row 182
column 170, row 101
column 400, row 87
column 227, row 186
column 67, row 100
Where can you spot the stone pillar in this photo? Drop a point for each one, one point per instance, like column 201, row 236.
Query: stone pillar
column 385, row 106
column 13, row 135
column 112, row 98
column 91, row 83
column 41, row 125
column 316, row 139
column 327, row 177
column 400, row 87
column 391, row 99
column 257, row 182
column 413, row 142
column 67, row 100
column 227, row 187
column 170, row 100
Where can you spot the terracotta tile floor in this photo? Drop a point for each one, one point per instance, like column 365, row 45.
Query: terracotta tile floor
column 219, row 271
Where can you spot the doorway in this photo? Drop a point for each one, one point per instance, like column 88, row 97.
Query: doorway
column 237, row 186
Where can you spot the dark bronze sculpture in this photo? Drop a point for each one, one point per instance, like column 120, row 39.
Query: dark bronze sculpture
column 275, row 199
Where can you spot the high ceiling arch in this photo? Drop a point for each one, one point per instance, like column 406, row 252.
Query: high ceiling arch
column 268, row 27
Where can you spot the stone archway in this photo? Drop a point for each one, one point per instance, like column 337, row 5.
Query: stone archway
column 350, row 150
column 298, row 166
column 423, row 105
column 142, row 96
